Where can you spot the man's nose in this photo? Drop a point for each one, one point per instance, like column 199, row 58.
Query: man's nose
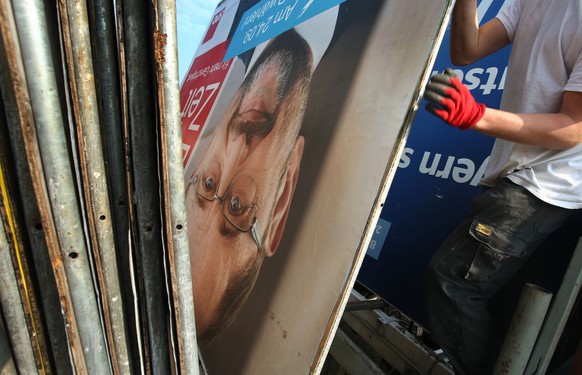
column 236, row 148
column 207, row 216
column 236, row 152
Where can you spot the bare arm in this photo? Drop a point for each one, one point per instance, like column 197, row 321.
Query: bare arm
column 555, row 131
column 469, row 42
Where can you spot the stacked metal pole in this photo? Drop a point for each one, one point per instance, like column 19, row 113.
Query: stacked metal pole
column 92, row 215
column 172, row 177
column 557, row 316
column 69, row 257
column 140, row 118
column 77, row 43
column 13, row 309
column 34, row 198
column 523, row 331
column 106, row 66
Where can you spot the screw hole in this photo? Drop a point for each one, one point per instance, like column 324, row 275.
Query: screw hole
column 179, row 227
column 102, row 217
column 73, row 255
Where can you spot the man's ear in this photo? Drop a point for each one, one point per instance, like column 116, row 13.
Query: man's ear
column 283, row 203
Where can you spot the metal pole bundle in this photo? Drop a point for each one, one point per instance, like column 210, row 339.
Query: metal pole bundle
column 93, row 236
column 165, row 35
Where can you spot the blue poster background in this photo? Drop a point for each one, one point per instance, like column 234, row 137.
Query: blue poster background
column 269, row 18
column 433, row 187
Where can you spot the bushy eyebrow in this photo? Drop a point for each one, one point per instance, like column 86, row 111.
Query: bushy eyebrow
column 261, row 128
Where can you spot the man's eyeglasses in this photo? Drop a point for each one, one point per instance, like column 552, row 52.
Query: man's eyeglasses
column 238, row 204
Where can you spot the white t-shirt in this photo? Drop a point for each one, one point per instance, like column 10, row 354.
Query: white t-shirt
column 545, row 60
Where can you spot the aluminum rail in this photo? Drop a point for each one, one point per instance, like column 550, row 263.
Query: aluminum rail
column 145, row 186
column 107, row 77
column 557, row 316
column 16, row 110
column 95, row 135
column 77, row 43
column 11, row 212
column 70, row 260
column 142, row 360
column 12, row 307
column 523, row 331
column 165, row 42
column 7, row 366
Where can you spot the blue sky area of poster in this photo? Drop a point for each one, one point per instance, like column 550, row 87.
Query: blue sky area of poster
column 270, row 18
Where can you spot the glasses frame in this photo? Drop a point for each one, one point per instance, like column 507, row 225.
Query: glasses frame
column 254, row 227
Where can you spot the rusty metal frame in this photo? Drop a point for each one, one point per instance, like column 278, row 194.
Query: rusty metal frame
column 56, row 191
column 74, row 135
column 144, row 185
column 17, row 216
column 165, row 43
column 107, row 83
column 22, row 130
column 12, row 305
column 77, row 46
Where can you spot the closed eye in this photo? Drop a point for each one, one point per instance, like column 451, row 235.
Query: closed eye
column 227, row 230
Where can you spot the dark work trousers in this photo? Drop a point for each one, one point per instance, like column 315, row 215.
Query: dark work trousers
column 506, row 226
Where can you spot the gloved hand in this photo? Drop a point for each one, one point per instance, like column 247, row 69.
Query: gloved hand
column 452, row 101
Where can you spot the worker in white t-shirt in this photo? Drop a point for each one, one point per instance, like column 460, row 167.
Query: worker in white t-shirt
column 535, row 171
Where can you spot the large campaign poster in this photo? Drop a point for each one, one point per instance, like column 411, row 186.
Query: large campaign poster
column 437, row 177
column 294, row 117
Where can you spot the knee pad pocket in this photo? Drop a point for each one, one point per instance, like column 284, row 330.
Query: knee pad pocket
column 497, row 245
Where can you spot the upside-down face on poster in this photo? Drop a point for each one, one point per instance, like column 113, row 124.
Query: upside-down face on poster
column 294, row 117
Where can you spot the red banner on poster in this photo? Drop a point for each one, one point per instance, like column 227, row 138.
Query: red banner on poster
column 199, row 93
column 213, row 26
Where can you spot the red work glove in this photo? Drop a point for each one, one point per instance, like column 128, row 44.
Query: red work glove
column 452, row 101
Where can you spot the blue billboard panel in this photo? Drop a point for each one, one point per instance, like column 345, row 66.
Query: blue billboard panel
column 437, row 178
